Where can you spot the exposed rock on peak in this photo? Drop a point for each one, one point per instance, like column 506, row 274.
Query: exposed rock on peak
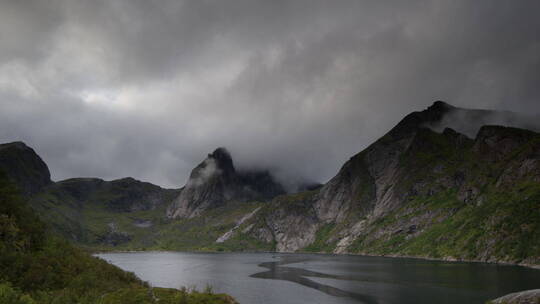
column 441, row 115
column 223, row 161
column 371, row 174
column 24, row 167
column 421, row 119
column 215, row 181
column 496, row 142
column 440, row 105
column 223, row 158
column 380, row 195
column 498, row 132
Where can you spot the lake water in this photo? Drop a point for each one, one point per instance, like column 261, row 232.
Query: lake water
column 266, row 278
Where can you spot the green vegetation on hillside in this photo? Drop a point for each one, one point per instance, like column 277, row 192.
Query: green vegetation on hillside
column 496, row 218
column 502, row 227
column 321, row 243
column 200, row 233
column 91, row 224
column 414, row 192
column 36, row 267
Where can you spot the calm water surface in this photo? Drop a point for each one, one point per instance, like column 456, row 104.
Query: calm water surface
column 267, row 278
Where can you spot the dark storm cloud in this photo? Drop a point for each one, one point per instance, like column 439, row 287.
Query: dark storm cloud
column 147, row 88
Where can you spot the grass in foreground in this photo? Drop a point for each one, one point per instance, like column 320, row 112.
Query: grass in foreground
column 36, row 267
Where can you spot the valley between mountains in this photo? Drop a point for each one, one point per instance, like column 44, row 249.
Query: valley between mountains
column 424, row 189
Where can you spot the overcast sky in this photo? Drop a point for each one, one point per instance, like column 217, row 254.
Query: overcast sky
column 147, row 88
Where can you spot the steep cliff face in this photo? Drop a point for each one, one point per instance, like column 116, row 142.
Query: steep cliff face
column 24, row 167
column 364, row 186
column 367, row 182
column 215, row 182
column 422, row 193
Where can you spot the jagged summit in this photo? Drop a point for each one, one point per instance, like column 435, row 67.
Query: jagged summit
column 440, row 105
column 215, row 181
column 217, row 163
column 223, row 159
column 221, row 154
column 420, row 119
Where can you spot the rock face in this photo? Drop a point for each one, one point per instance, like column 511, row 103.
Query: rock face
column 409, row 191
column 215, row 181
column 24, row 167
column 364, row 186
column 227, row 235
column 522, row 297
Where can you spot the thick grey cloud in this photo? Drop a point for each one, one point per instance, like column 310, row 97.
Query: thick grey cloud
column 147, row 88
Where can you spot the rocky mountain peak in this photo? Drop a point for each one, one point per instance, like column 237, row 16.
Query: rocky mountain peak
column 223, row 160
column 440, row 106
column 24, row 167
column 380, row 163
column 217, row 164
column 222, row 155
column 497, row 142
column 493, row 132
column 420, row 119
column 215, row 181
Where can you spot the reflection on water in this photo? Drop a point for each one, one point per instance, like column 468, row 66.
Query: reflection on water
column 265, row 278
column 297, row 275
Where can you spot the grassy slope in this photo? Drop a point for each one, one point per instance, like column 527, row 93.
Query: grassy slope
column 36, row 267
column 89, row 223
column 502, row 228
column 497, row 226
column 502, row 224
column 84, row 215
column 200, row 233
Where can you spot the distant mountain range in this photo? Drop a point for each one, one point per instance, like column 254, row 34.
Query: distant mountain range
column 423, row 189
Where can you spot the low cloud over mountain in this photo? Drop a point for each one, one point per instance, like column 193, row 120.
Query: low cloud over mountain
column 143, row 89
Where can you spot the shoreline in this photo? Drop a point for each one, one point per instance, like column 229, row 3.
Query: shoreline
column 454, row 260
column 450, row 260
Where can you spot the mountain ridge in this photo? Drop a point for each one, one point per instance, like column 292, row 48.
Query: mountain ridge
column 377, row 182
column 388, row 232
column 420, row 190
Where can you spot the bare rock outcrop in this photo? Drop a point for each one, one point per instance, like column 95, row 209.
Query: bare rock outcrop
column 215, row 181
column 522, row 297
